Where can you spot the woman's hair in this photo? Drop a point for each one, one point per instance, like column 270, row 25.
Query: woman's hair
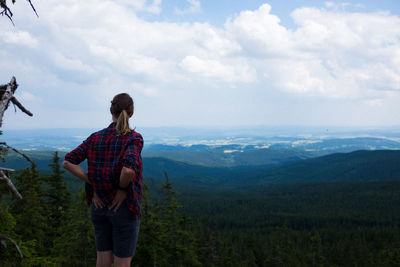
column 122, row 108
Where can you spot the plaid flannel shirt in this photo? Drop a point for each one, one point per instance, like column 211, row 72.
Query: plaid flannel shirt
column 107, row 153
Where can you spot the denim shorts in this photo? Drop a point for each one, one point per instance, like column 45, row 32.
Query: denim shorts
column 116, row 231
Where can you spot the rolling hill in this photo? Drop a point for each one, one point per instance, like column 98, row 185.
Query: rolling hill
column 355, row 166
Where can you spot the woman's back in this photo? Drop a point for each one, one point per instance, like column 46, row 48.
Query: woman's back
column 107, row 152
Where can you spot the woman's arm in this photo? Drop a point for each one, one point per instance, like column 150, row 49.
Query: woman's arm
column 126, row 176
column 76, row 170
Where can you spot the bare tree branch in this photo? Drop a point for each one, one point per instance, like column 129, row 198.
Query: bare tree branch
column 4, row 177
column 7, row 95
column 7, row 170
column 7, row 11
column 17, row 151
column 21, row 107
column 4, row 237
column 34, row 10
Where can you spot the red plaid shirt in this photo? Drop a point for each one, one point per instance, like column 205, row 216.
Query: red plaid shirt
column 107, row 153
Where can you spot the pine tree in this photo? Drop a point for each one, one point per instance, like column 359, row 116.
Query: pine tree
column 8, row 253
column 317, row 258
column 30, row 215
column 150, row 250
column 75, row 245
column 7, row 222
column 166, row 235
column 58, row 200
column 179, row 240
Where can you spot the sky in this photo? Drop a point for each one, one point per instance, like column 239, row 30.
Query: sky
column 198, row 63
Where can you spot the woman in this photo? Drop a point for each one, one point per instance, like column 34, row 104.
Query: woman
column 113, row 183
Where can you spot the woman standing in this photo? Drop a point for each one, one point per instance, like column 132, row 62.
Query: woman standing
column 113, row 183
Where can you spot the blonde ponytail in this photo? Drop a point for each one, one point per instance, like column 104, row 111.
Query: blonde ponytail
column 122, row 125
column 122, row 109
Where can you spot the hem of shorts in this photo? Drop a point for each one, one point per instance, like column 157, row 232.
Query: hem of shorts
column 124, row 256
column 103, row 250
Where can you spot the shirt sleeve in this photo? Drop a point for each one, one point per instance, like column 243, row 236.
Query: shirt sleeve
column 132, row 158
column 80, row 153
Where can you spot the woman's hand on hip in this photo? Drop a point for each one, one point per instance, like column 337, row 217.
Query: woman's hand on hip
column 119, row 198
column 97, row 201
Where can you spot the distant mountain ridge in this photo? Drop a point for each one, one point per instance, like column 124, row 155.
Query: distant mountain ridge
column 231, row 156
column 319, row 141
column 354, row 166
column 223, row 156
column 359, row 165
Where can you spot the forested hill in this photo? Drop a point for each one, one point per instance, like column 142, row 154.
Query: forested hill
column 360, row 165
column 354, row 166
column 224, row 156
column 230, row 156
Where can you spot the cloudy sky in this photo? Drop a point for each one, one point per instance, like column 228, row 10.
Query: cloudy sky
column 204, row 62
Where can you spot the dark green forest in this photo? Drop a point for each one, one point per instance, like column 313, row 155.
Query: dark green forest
column 337, row 210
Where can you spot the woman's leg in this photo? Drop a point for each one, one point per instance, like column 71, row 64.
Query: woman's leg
column 103, row 237
column 125, row 235
column 104, row 258
column 122, row 262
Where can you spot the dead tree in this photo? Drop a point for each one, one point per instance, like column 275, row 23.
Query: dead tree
column 6, row 96
column 7, row 11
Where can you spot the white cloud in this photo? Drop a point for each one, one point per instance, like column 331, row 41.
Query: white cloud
column 210, row 68
column 93, row 49
column 25, row 96
column 145, row 90
column 259, row 32
column 374, row 102
column 143, row 5
column 69, row 62
column 330, row 53
column 195, row 7
column 337, row 6
column 19, row 38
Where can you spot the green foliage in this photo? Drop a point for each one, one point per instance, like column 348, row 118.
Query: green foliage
column 314, row 224
column 51, row 230
column 7, row 227
column 149, row 248
column 178, row 241
column 166, row 237
column 279, row 168
column 355, row 166
column 58, row 201
column 302, row 224
column 75, row 245
column 30, row 211
column 7, row 222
